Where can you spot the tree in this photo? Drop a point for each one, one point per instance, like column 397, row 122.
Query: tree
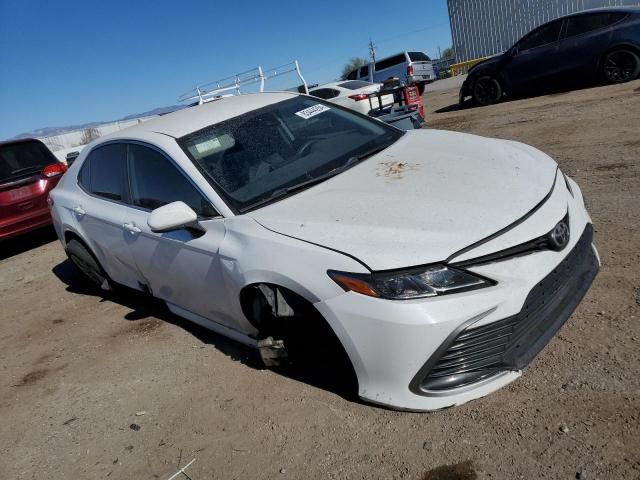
column 354, row 62
column 52, row 143
column 89, row 135
column 448, row 53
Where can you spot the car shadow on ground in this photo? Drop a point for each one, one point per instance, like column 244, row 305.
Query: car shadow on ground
column 455, row 107
column 320, row 374
column 27, row 241
column 550, row 91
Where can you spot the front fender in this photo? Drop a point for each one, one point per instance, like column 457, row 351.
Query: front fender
column 252, row 254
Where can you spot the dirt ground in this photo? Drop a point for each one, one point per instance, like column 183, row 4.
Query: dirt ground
column 81, row 372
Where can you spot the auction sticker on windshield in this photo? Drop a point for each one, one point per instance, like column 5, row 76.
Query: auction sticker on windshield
column 312, row 111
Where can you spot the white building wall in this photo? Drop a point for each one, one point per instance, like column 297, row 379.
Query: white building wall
column 481, row 28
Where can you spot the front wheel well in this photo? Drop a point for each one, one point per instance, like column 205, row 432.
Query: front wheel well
column 493, row 73
column 265, row 303
column 311, row 343
column 70, row 235
column 621, row 46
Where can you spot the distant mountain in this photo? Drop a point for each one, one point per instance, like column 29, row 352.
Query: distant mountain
column 50, row 131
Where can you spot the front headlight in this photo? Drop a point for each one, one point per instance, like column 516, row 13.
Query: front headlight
column 415, row 283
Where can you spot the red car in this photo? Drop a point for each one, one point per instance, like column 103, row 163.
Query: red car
column 28, row 172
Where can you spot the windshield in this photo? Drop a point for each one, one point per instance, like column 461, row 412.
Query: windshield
column 265, row 154
column 21, row 159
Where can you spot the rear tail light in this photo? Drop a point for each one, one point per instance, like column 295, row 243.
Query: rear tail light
column 54, row 170
column 359, row 96
column 410, row 70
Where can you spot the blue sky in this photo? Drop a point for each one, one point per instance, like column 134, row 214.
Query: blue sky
column 68, row 62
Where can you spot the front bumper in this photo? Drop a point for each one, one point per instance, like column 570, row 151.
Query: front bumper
column 464, row 92
column 395, row 346
column 471, row 353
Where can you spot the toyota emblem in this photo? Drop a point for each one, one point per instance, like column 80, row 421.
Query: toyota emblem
column 559, row 236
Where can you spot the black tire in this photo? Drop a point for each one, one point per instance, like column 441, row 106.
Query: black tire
column 84, row 261
column 486, row 91
column 620, row 65
column 420, row 88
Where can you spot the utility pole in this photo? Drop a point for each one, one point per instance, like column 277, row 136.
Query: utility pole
column 372, row 50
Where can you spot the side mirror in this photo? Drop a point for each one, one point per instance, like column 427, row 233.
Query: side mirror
column 173, row 216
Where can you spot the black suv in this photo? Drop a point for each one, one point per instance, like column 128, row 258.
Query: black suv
column 602, row 44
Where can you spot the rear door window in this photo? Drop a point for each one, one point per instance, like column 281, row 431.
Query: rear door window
column 103, row 172
column 593, row 21
column 22, row 159
column 155, row 181
column 542, row 36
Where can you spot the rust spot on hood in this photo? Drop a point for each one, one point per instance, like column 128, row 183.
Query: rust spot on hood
column 394, row 169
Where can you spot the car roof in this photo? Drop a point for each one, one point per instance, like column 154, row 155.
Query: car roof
column 603, row 10
column 576, row 14
column 187, row 120
column 18, row 140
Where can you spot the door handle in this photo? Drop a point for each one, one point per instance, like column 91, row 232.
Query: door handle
column 131, row 228
column 79, row 211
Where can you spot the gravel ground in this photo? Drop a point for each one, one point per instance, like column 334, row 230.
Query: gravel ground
column 96, row 387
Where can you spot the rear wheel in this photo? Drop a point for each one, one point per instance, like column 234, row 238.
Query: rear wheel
column 84, row 260
column 620, row 66
column 487, row 91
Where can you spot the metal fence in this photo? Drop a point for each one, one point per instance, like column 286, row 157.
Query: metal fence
column 481, row 28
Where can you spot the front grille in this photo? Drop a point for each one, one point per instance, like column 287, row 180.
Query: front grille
column 476, row 353
column 539, row 244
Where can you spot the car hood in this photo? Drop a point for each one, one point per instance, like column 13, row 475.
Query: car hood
column 427, row 196
column 489, row 62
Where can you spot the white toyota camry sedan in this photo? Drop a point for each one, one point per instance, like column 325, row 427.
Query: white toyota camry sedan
column 438, row 263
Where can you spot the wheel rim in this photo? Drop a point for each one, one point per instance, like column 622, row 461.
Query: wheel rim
column 620, row 66
column 486, row 91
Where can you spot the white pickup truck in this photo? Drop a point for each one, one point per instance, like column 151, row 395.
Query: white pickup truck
column 412, row 68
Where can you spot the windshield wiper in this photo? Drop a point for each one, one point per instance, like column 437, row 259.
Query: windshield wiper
column 363, row 156
column 25, row 169
column 282, row 192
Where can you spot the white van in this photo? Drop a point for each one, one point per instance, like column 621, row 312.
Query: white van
column 412, row 68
